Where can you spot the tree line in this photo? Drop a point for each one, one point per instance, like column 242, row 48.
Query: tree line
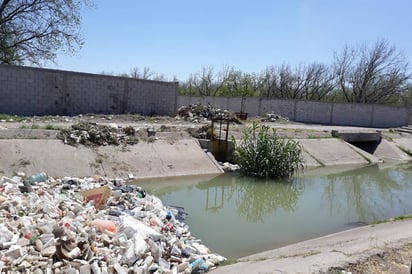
column 378, row 74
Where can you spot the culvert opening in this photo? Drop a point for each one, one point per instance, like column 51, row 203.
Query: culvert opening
column 367, row 141
column 368, row 146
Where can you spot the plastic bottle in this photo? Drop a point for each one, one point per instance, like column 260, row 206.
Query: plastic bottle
column 199, row 264
column 39, row 177
column 103, row 225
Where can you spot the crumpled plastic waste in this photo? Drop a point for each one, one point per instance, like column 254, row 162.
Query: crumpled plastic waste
column 93, row 225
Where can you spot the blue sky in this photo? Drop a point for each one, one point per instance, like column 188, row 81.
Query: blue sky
column 179, row 37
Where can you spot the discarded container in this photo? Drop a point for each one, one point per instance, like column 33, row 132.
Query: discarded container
column 99, row 195
column 39, row 177
column 103, row 225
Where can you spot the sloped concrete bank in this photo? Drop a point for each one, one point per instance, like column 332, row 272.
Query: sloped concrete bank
column 335, row 250
column 144, row 160
column 170, row 158
column 336, row 152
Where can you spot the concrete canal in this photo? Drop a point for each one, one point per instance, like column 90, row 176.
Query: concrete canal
column 238, row 216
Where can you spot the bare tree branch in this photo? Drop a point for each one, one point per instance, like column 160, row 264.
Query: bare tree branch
column 32, row 31
column 371, row 75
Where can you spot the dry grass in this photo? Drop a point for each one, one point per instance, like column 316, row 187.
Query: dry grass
column 394, row 261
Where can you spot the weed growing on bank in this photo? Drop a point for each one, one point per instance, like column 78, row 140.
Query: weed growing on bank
column 261, row 152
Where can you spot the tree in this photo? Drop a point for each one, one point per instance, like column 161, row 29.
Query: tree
column 371, row 75
column 146, row 74
column 319, row 82
column 406, row 98
column 201, row 83
column 206, row 82
column 238, row 83
column 32, row 31
column 310, row 82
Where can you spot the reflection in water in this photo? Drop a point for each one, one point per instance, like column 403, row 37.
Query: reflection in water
column 214, row 198
column 255, row 198
column 258, row 199
column 368, row 191
column 237, row 216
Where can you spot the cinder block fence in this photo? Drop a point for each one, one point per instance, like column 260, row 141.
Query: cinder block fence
column 311, row 111
column 36, row 91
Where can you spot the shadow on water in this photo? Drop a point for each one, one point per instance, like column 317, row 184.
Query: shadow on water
column 237, row 216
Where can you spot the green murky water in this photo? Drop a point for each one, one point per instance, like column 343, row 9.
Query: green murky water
column 237, row 216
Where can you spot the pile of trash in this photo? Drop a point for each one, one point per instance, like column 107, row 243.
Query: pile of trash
column 92, row 134
column 93, row 225
column 272, row 117
column 197, row 113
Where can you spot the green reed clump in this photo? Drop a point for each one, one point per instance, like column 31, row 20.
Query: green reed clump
column 261, row 152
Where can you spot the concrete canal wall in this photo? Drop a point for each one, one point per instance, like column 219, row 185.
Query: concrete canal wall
column 159, row 159
column 162, row 158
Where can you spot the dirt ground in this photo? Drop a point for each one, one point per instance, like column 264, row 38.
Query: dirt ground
column 394, row 261
column 167, row 128
column 45, row 126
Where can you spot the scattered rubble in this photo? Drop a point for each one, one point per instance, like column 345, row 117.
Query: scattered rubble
column 92, row 134
column 228, row 167
column 203, row 132
column 272, row 117
column 197, row 113
column 93, row 225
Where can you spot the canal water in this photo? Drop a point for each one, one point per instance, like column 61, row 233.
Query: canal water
column 237, row 216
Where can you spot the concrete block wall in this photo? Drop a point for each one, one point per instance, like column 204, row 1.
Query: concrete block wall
column 151, row 97
column 252, row 106
column 352, row 114
column 36, row 91
column 234, row 104
column 218, row 102
column 312, row 111
column 285, row 108
column 200, row 100
column 410, row 117
column 183, row 101
column 385, row 116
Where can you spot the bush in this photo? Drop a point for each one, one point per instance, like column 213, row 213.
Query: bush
column 261, row 152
